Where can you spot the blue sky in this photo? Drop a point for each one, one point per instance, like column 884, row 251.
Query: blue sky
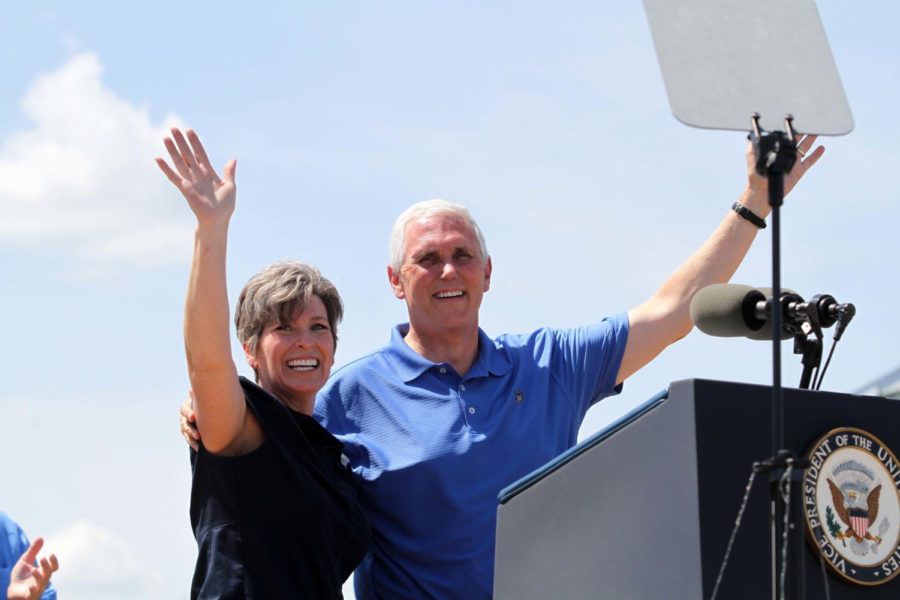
column 551, row 124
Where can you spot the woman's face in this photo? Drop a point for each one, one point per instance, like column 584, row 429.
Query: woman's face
column 293, row 360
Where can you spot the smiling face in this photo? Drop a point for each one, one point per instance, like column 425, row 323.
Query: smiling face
column 293, row 360
column 443, row 276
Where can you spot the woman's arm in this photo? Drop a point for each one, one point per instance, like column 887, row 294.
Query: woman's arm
column 225, row 423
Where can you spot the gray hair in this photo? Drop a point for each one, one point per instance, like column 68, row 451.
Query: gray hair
column 424, row 210
column 276, row 293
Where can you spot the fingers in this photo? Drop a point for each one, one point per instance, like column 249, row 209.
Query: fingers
column 32, row 551
column 806, row 158
column 41, row 578
column 172, row 176
column 49, row 566
column 191, row 436
column 805, row 143
column 191, row 172
column 187, row 415
column 36, row 578
column 229, row 171
column 187, row 421
column 186, row 153
column 187, row 408
column 177, row 160
column 812, row 158
column 189, row 428
column 200, row 154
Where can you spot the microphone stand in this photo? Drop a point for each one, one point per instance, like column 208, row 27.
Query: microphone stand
column 811, row 348
column 776, row 153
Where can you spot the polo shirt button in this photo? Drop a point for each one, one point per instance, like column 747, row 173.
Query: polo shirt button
column 443, row 369
column 462, row 387
column 471, row 410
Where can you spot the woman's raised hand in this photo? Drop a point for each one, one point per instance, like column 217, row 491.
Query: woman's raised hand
column 211, row 198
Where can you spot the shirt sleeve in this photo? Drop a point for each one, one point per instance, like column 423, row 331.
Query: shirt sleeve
column 586, row 360
column 328, row 403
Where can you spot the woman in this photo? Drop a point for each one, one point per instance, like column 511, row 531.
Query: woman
column 273, row 509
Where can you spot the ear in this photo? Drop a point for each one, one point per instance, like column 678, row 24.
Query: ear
column 251, row 358
column 394, row 279
column 488, row 268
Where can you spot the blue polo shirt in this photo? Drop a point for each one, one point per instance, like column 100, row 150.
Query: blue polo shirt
column 434, row 449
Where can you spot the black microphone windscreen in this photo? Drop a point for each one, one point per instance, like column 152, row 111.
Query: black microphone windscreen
column 726, row 310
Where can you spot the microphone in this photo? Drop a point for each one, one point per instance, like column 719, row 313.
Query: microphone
column 792, row 310
column 821, row 311
column 728, row 310
column 733, row 310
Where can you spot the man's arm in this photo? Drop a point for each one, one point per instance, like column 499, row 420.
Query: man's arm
column 665, row 317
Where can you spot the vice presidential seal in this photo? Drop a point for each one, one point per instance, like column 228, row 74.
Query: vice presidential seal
column 852, row 505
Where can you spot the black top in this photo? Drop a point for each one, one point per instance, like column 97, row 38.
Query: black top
column 280, row 522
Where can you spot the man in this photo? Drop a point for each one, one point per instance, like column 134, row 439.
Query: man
column 437, row 422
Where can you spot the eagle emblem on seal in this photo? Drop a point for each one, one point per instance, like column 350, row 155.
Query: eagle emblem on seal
column 855, row 494
column 851, row 492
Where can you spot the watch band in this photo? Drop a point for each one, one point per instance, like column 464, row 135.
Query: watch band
column 748, row 214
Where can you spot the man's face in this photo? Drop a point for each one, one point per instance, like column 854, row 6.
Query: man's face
column 443, row 276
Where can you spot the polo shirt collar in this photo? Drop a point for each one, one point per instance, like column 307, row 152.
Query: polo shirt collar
column 410, row 365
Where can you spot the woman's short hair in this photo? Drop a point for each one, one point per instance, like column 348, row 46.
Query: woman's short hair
column 275, row 294
column 423, row 210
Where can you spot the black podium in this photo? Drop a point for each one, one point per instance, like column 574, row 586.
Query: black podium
column 644, row 509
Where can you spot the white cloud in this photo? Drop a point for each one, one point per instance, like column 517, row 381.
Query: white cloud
column 97, row 563
column 81, row 182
